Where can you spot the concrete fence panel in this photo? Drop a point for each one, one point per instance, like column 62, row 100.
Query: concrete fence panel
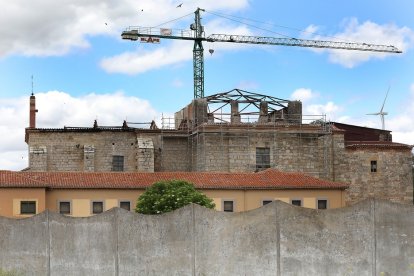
column 320, row 242
column 24, row 244
column 236, row 243
column 83, row 246
column 370, row 238
column 156, row 245
column 394, row 236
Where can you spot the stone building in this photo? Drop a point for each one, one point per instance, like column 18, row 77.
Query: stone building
column 235, row 131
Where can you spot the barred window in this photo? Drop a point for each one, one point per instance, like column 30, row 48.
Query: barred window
column 97, row 207
column 373, row 166
column 296, row 202
column 64, row 207
column 322, row 204
column 27, row 207
column 262, row 158
column 228, row 206
column 264, row 202
column 125, row 205
column 117, row 163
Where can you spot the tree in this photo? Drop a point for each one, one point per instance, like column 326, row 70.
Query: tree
column 166, row 196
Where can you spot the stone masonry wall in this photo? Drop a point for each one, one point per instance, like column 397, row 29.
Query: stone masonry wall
column 65, row 150
column 236, row 151
column 230, row 150
column 175, row 154
column 38, row 158
column 392, row 181
column 371, row 238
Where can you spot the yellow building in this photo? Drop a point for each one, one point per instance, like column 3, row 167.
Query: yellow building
column 81, row 194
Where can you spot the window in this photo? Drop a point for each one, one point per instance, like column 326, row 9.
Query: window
column 322, row 204
column 264, row 202
column 373, row 166
column 97, row 207
column 117, row 163
column 228, row 206
column 296, row 202
column 27, row 207
column 262, row 158
column 125, row 205
column 64, row 207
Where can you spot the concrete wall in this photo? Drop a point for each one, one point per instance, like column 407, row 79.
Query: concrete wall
column 370, row 238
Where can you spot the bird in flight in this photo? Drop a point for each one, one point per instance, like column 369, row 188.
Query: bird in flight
column 179, row 6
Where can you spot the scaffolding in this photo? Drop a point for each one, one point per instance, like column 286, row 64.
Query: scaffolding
column 263, row 128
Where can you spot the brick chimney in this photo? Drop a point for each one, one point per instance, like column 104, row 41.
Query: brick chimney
column 33, row 110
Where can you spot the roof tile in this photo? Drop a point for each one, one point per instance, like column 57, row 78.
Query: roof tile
column 268, row 179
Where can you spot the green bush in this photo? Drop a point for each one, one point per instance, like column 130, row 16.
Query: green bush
column 166, row 196
column 8, row 273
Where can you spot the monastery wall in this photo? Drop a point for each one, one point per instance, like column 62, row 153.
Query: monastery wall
column 236, row 152
column 230, row 150
column 74, row 151
column 392, row 179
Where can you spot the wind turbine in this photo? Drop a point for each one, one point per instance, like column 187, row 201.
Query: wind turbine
column 381, row 112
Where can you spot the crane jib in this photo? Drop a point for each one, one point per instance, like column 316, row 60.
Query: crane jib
column 148, row 35
column 196, row 34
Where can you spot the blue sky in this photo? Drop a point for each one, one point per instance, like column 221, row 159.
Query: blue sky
column 83, row 70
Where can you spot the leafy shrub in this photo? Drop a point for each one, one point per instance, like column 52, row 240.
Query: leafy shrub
column 166, row 196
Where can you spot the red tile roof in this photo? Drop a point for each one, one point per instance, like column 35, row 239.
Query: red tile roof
column 268, row 179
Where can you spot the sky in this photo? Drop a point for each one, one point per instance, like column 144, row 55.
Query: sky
column 82, row 70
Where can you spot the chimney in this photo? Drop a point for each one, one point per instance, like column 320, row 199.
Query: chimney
column 235, row 115
column 33, row 110
column 264, row 109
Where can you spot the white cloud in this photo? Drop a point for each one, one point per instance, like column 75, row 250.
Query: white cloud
column 330, row 109
column 366, row 32
column 401, row 125
column 59, row 109
column 49, row 27
column 142, row 60
column 247, row 85
column 303, row 95
column 177, row 83
column 312, row 109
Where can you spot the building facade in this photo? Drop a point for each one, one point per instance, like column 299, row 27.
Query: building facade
column 202, row 140
column 82, row 194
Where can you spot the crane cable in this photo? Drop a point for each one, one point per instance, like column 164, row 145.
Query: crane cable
column 227, row 16
column 247, row 24
column 172, row 20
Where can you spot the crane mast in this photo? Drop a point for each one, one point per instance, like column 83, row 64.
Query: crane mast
column 198, row 56
column 197, row 34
